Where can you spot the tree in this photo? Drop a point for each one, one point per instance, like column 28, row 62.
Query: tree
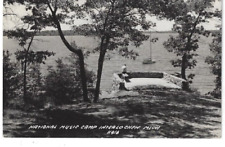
column 52, row 13
column 189, row 27
column 117, row 23
column 215, row 61
column 27, row 56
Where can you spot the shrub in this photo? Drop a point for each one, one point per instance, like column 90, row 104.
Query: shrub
column 35, row 85
column 11, row 79
column 63, row 84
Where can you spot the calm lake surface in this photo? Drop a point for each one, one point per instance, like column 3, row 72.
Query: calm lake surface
column 203, row 81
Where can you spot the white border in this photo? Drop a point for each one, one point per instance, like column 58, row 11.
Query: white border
column 36, row 142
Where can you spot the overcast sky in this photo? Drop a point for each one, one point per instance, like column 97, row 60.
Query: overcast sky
column 11, row 22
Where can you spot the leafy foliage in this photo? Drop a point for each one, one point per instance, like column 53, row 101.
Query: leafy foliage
column 63, row 84
column 22, row 35
column 26, row 56
column 215, row 61
column 116, row 23
column 35, row 86
column 189, row 28
column 11, row 79
column 52, row 13
column 33, row 57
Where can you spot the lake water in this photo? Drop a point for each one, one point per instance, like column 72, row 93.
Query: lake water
column 203, row 81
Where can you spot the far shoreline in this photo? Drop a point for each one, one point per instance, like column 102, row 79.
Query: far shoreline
column 71, row 33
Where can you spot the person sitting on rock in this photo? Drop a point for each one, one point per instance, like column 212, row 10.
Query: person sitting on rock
column 124, row 73
column 124, row 68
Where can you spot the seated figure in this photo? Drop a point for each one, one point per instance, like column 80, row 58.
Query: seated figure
column 125, row 76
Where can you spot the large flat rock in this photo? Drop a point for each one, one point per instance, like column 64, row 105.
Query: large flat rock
column 158, row 82
column 117, row 94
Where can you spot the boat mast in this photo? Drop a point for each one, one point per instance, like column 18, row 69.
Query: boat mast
column 150, row 45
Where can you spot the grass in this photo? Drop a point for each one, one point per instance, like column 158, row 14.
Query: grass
column 176, row 113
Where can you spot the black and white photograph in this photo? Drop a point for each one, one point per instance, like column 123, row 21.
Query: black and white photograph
column 112, row 69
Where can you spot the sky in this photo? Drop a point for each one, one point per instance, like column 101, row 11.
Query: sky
column 11, row 22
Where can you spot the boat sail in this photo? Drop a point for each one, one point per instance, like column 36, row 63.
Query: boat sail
column 149, row 60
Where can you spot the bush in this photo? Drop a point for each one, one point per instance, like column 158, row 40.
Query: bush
column 35, row 85
column 63, row 84
column 11, row 79
column 13, row 84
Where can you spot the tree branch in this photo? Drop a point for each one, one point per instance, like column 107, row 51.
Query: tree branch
column 49, row 6
column 56, row 8
column 192, row 32
column 62, row 36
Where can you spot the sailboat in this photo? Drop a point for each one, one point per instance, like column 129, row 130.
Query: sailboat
column 149, row 60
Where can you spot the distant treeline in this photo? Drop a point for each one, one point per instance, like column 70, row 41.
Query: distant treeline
column 72, row 33
column 52, row 33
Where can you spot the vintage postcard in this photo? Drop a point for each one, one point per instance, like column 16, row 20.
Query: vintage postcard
column 112, row 68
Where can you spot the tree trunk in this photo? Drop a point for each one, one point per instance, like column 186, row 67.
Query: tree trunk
column 25, row 71
column 25, row 82
column 103, row 48
column 83, row 77
column 183, row 67
column 183, row 73
column 99, row 75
